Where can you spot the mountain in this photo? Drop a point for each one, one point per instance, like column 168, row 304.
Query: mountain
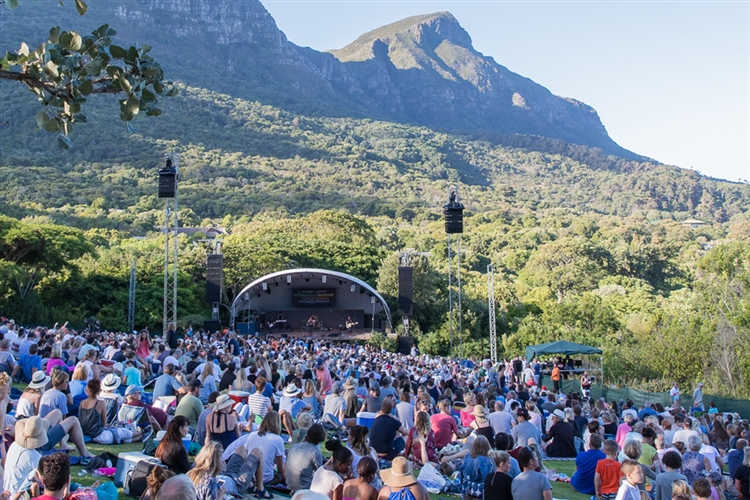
column 422, row 70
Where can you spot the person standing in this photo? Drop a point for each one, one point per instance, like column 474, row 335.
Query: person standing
column 556, row 377
column 674, row 393
column 698, row 397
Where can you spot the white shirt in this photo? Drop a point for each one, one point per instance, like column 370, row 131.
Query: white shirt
column 20, row 475
column 270, row 446
column 325, row 482
column 170, row 360
column 683, row 435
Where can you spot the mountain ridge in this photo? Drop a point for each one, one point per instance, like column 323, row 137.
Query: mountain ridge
column 423, row 70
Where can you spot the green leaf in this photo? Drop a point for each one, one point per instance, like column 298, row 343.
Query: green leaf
column 65, row 39
column 114, row 70
column 54, row 35
column 12, row 4
column 147, row 96
column 24, row 50
column 132, row 55
column 146, row 48
column 64, row 142
column 80, row 118
column 153, row 112
column 100, row 31
column 42, row 119
column 117, row 52
column 86, row 87
column 125, row 85
column 125, row 116
column 94, row 67
column 134, row 104
column 76, row 42
column 51, row 69
column 52, row 126
column 81, row 7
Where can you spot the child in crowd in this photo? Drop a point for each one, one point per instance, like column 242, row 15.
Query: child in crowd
column 608, row 473
column 631, row 469
column 54, row 473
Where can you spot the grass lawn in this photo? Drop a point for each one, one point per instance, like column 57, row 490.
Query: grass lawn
column 561, row 491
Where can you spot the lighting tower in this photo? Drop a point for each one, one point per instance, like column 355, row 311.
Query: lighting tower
column 491, row 307
column 168, row 190
column 131, row 298
column 453, row 214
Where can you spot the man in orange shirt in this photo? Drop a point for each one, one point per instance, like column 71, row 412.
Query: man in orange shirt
column 556, row 377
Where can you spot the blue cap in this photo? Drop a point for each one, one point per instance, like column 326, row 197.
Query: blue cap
column 132, row 389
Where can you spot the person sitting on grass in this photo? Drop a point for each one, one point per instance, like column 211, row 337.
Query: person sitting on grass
column 360, row 487
column 497, row 484
column 672, row 461
column 586, row 462
column 54, row 473
column 92, row 415
column 530, row 484
column 290, row 405
column 171, row 450
column 329, row 479
column 608, row 473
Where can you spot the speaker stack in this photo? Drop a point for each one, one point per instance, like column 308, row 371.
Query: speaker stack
column 214, row 276
column 405, row 290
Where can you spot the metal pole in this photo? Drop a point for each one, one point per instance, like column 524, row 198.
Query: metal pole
column 450, row 294
column 458, row 278
column 131, row 298
column 491, row 307
column 171, row 223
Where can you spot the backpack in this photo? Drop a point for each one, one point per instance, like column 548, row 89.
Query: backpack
column 135, row 480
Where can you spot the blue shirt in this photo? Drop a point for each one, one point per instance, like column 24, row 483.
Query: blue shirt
column 292, row 405
column 165, row 385
column 28, row 363
column 583, row 479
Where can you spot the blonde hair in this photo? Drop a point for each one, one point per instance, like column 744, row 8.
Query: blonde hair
column 480, row 447
column 470, row 399
column 81, row 372
column 746, row 458
column 59, row 377
column 423, row 423
column 500, row 457
column 630, row 465
column 208, row 461
column 681, row 487
column 309, row 387
column 208, row 370
column 5, row 379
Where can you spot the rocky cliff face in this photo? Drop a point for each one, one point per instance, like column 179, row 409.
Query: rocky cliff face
column 421, row 70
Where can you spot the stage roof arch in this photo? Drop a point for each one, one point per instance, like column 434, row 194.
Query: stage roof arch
column 306, row 290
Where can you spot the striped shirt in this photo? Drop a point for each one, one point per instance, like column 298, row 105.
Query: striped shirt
column 258, row 404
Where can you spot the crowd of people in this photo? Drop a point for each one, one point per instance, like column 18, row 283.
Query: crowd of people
column 342, row 421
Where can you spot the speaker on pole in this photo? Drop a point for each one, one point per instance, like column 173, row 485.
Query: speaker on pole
column 212, row 325
column 214, row 276
column 405, row 290
column 168, row 180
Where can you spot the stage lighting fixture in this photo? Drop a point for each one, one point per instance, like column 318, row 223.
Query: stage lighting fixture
column 247, row 296
column 288, row 279
column 323, row 279
column 265, row 286
column 373, row 299
column 354, row 287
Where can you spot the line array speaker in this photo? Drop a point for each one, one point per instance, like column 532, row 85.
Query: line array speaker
column 214, row 276
column 405, row 291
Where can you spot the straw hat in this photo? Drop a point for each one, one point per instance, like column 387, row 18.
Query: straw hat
column 111, row 382
column 479, row 411
column 31, row 433
column 559, row 414
column 399, row 475
column 292, row 390
column 39, row 380
column 350, row 383
column 304, row 420
column 223, row 401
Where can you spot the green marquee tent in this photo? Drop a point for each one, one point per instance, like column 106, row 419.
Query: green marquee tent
column 559, row 347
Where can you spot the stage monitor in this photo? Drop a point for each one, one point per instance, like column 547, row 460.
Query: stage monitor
column 320, row 297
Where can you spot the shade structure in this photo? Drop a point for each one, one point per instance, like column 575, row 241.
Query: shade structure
column 560, row 347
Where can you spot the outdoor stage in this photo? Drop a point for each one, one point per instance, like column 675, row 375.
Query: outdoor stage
column 334, row 336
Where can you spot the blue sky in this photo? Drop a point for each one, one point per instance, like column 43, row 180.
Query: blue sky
column 670, row 80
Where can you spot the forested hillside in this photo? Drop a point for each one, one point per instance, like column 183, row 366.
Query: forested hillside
column 586, row 247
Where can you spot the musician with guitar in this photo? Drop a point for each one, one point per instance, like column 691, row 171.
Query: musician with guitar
column 350, row 324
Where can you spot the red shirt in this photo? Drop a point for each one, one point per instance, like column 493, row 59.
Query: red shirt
column 443, row 426
column 610, row 471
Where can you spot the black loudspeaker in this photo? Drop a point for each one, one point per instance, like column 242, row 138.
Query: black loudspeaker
column 405, row 291
column 405, row 343
column 214, row 276
column 212, row 325
column 168, row 181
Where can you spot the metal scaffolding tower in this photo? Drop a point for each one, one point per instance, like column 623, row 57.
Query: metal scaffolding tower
column 491, row 306
column 171, row 247
column 453, row 214
column 454, row 294
column 131, row 298
column 215, row 305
